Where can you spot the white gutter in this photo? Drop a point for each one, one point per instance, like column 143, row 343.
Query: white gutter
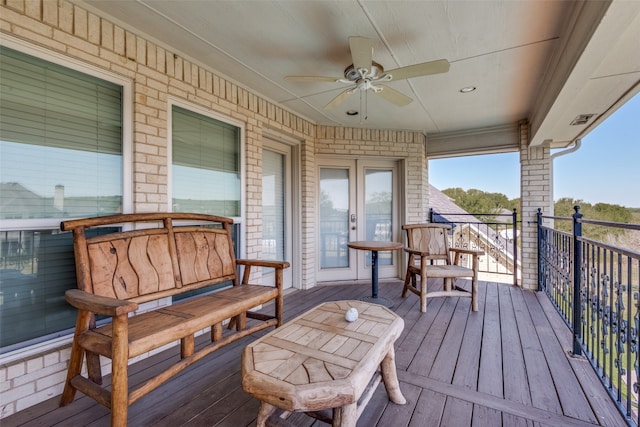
column 577, row 143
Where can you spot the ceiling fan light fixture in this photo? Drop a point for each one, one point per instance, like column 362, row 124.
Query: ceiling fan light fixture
column 467, row 89
column 352, row 74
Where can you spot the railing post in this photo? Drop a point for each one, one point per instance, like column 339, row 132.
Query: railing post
column 515, row 247
column 577, row 281
column 430, row 214
column 539, row 221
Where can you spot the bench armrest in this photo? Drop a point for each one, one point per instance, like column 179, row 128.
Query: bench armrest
column 98, row 304
column 278, row 265
column 263, row 263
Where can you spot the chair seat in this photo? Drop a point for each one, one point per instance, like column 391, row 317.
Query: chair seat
column 442, row 271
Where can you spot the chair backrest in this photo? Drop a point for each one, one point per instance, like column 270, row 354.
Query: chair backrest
column 430, row 238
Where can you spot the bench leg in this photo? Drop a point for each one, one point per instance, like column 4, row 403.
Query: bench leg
column 265, row 411
column 187, row 346
column 76, row 357
column 119, row 372
column 346, row 416
column 216, row 331
column 390, row 377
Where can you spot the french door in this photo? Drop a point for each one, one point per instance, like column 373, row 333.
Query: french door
column 357, row 200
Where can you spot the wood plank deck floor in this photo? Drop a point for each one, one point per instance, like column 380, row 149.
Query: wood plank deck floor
column 506, row 365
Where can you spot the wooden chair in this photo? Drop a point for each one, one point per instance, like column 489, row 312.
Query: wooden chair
column 430, row 257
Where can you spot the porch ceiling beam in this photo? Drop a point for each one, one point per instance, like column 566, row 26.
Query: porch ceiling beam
column 497, row 139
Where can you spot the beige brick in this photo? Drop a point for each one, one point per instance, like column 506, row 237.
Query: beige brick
column 75, row 42
column 17, row 5
column 80, row 23
column 15, row 370
column 50, row 12
column 119, row 43
column 65, row 16
column 35, row 364
column 26, row 22
column 33, row 8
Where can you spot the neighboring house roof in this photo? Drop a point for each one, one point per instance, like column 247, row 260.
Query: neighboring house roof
column 446, row 211
column 20, row 202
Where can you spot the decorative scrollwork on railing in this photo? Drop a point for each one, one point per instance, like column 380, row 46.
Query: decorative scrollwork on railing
column 605, row 313
column 633, row 342
column 619, row 327
column 594, row 302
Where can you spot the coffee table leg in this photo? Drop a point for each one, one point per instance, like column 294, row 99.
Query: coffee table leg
column 346, row 416
column 266, row 409
column 390, row 377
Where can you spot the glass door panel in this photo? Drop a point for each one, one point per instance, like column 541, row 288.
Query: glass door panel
column 378, row 208
column 276, row 189
column 335, row 222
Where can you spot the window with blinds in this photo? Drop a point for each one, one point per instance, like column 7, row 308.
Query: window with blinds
column 61, row 155
column 205, row 164
column 205, row 171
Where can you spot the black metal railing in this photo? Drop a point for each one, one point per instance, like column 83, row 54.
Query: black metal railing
column 595, row 287
column 496, row 234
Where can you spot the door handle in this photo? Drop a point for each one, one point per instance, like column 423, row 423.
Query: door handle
column 353, row 221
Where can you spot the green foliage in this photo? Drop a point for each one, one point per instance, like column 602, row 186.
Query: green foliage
column 480, row 202
column 599, row 212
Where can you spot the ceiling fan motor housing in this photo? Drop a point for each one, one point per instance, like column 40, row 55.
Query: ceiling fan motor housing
column 353, row 75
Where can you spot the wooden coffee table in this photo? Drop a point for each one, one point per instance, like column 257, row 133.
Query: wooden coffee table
column 320, row 361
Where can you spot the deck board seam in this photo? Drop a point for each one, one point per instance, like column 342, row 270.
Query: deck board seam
column 489, row 401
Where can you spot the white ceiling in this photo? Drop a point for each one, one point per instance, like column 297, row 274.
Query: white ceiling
column 545, row 61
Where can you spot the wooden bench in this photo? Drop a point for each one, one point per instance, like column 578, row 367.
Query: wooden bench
column 155, row 256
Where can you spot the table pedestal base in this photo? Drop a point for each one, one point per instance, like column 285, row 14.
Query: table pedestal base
column 378, row 300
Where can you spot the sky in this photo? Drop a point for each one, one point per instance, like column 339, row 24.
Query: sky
column 606, row 168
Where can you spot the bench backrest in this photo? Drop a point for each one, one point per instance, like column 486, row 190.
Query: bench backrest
column 161, row 259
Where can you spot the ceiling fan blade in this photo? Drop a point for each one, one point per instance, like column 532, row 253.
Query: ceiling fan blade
column 416, row 70
column 342, row 96
column 361, row 52
column 311, row 79
column 393, row 96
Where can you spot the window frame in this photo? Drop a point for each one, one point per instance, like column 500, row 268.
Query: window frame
column 51, row 341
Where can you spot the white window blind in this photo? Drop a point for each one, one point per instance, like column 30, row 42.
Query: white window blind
column 60, row 140
column 206, row 164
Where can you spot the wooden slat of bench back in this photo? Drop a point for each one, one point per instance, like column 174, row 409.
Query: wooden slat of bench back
column 204, row 255
column 147, row 264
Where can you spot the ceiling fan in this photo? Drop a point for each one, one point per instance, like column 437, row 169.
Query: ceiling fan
column 365, row 74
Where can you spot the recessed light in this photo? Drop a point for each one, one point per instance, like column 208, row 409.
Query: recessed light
column 352, row 113
column 468, row 89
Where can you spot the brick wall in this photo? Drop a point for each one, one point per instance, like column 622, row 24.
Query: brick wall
column 157, row 75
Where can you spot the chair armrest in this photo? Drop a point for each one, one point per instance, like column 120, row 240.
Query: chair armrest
column 473, row 252
column 415, row 252
column 98, row 304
